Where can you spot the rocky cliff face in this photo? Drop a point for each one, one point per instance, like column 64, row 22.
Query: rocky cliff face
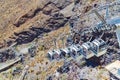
column 37, row 29
column 42, row 18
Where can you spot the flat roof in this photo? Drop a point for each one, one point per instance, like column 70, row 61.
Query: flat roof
column 113, row 68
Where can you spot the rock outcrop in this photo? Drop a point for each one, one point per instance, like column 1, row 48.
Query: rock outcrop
column 51, row 20
column 56, row 21
column 22, row 19
column 46, row 16
column 47, row 8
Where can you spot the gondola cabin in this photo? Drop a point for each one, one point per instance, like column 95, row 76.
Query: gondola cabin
column 99, row 46
column 72, row 51
column 76, row 49
column 54, row 54
column 87, row 50
column 50, row 54
column 66, row 52
column 58, row 54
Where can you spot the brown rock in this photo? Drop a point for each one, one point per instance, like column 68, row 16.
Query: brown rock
column 26, row 16
column 50, row 9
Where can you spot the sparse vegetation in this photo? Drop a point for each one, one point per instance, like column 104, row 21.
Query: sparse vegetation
column 40, row 17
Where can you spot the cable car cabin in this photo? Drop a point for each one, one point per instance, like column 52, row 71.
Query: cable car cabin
column 86, row 50
column 54, row 54
column 75, row 49
column 66, row 52
column 61, row 54
column 57, row 54
column 80, row 50
column 50, row 54
column 99, row 46
column 72, row 51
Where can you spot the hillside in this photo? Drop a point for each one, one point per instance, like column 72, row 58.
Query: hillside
column 27, row 21
column 19, row 16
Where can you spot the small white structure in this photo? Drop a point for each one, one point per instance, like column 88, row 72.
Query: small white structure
column 87, row 50
column 73, row 52
column 114, row 69
column 66, row 51
column 58, row 54
column 76, row 48
column 51, row 54
column 99, row 47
